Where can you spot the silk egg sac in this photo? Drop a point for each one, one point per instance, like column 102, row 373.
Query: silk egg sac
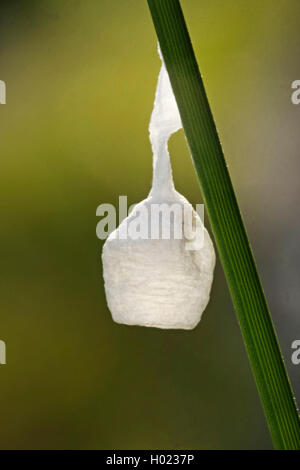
column 158, row 264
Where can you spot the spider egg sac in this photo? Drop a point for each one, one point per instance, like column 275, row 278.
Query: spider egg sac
column 152, row 276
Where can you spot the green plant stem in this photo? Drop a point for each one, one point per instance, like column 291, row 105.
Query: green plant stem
column 230, row 235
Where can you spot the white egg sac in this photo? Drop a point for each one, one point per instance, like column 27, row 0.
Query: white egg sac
column 152, row 279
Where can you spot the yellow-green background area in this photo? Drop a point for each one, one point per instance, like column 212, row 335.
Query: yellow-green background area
column 81, row 76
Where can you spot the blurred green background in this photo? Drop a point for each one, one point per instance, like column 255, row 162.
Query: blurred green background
column 81, row 78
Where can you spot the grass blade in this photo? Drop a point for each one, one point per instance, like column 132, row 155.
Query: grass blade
column 230, row 235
